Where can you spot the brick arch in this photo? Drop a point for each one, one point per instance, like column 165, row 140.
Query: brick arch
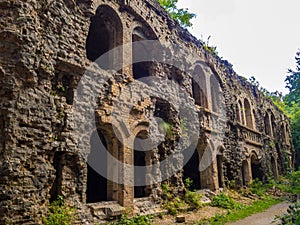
column 106, row 28
column 141, row 31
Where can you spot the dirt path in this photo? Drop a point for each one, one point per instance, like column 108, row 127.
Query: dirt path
column 266, row 217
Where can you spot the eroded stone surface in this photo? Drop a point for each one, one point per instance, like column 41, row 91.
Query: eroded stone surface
column 46, row 53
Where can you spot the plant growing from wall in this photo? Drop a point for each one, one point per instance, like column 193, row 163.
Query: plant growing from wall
column 60, row 213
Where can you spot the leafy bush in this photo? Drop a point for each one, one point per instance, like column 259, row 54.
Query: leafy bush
column 291, row 183
column 293, row 215
column 193, row 199
column 224, row 201
column 60, row 213
column 138, row 220
column 175, row 205
column 258, row 187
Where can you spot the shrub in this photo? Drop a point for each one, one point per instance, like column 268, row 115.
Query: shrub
column 60, row 213
column 224, row 201
column 138, row 220
column 293, row 215
column 193, row 199
column 257, row 187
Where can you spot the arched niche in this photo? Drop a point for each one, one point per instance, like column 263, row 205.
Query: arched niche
column 216, row 93
column 142, row 49
column 248, row 114
column 105, row 34
column 273, row 125
column 268, row 130
column 199, row 87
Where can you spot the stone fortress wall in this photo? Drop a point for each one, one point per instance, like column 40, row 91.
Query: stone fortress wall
column 48, row 47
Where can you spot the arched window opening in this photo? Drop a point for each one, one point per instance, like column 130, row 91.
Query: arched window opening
column 216, row 93
column 273, row 125
column 199, row 87
column 191, row 170
column 140, row 187
column 248, row 114
column 267, row 124
column 97, row 169
column 139, row 51
column 105, row 33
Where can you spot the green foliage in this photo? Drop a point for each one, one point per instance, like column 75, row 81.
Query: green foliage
column 291, row 183
column 212, row 49
column 193, row 199
column 174, row 204
column 188, row 183
column 241, row 212
column 292, row 101
column 293, row 215
column 182, row 16
column 60, row 213
column 138, row 220
column 166, row 127
column 224, row 201
column 257, row 187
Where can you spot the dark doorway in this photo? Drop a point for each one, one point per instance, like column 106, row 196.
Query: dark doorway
column 220, row 171
column 256, row 171
column 140, row 167
column 58, row 166
column 97, row 183
column 191, row 170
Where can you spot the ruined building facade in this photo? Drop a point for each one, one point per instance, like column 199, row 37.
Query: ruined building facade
column 49, row 51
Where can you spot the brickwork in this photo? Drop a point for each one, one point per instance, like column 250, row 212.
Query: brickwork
column 48, row 49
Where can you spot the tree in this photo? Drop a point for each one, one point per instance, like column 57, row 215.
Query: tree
column 292, row 101
column 182, row 16
column 293, row 82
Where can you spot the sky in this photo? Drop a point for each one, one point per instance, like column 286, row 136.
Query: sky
column 259, row 37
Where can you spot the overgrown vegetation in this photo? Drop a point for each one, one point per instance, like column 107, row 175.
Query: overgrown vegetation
column 174, row 204
column 182, row 16
column 241, row 212
column 293, row 215
column 137, row 220
column 224, row 201
column 60, row 213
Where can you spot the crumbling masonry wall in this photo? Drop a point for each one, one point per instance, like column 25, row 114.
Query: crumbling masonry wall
column 48, row 47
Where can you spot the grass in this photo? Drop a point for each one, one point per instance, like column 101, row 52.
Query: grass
column 137, row 220
column 242, row 212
